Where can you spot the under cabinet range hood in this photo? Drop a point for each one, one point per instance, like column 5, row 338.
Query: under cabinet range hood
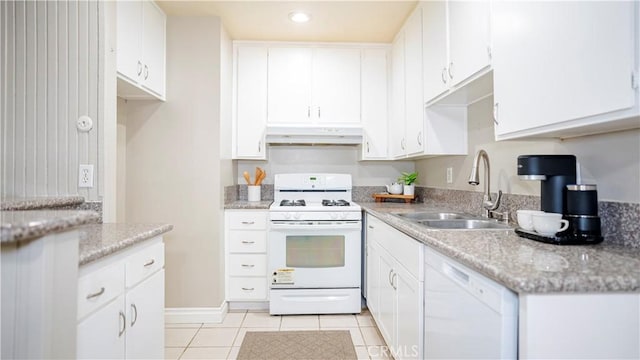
column 291, row 134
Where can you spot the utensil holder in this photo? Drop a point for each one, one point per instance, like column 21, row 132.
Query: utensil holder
column 253, row 193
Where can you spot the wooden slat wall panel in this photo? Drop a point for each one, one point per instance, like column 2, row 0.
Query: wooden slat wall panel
column 50, row 73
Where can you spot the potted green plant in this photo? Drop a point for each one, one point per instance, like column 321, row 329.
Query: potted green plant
column 408, row 179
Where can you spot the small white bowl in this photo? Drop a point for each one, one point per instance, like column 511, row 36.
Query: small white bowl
column 525, row 218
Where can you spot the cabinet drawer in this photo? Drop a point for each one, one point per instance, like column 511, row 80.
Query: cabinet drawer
column 247, row 265
column 247, row 241
column 248, row 220
column 143, row 264
column 241, row 288
column 99, row 287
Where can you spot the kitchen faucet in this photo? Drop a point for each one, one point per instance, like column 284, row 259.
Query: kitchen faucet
column 488, row 204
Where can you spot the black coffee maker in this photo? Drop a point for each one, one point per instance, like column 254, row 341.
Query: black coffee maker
column 559, row 193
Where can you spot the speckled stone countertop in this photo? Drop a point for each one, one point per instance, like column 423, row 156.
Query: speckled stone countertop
column 40, row 202
column 243, row 204
column 100, row 240
column 18, row 226
column 524, row 266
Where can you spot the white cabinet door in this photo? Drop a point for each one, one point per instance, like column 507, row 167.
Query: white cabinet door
column 102, row 334
column 397, row 119
column 555, row 62
column 129, row 54
column 387, row 308
column 251, row 102
column 409, row 310
column 153, row 45
column 469, row 39
column 435, row 56
column 289, row 86
column 336, row 85
column 145, row 319
column 374, row 103
column 414, row 101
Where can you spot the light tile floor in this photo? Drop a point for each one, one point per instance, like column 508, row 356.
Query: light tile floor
column 222, row 341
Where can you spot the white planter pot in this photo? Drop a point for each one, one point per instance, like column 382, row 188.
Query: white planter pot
column 409, row 189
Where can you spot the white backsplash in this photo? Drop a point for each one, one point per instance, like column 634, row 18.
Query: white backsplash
column 325, row 159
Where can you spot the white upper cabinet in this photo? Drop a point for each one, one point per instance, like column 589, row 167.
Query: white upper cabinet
column 141, row 49
column 374, row 103
column 250, row 102
column 456, row 38
column 313, row 85
column 406, row 123
column 564, row 68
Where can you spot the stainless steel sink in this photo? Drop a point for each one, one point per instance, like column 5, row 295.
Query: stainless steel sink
column 419, row 216
column 463, row 224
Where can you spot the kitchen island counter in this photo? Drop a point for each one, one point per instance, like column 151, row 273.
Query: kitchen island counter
column 100, row 240
column 19, row 226
column 525, row 266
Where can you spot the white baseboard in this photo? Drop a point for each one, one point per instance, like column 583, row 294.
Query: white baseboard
column 248, row 305
column 196, row 315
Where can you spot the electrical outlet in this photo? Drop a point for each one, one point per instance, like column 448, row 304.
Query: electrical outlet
column 449, row 175
column 85, row 176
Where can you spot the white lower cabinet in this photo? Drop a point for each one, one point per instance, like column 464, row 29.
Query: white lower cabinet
column 395, row 288
column 121, row 305
column 246, row 255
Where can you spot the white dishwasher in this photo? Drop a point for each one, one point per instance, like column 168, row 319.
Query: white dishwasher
column 467, row 316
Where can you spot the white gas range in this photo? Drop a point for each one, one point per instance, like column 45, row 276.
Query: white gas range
column 314, row 245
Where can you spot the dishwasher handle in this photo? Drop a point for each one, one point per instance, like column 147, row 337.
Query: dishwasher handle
column 456, row 274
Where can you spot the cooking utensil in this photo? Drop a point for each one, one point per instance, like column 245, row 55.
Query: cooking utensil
column 263, row 174
column 247, row 177
column 258, row 174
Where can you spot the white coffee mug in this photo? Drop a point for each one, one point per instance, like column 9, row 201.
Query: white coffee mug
column 548, row 224
column 525, row 218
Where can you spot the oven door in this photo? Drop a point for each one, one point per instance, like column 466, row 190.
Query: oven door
column 314, row 254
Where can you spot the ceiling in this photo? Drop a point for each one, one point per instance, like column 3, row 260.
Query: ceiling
column 331, row 20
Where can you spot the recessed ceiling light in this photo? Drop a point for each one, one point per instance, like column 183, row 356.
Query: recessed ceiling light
column 299, row 17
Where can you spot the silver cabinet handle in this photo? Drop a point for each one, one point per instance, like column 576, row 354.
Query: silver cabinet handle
column 96, row 294
column 450, row 71
column 146, row 72
column 247, row 289
column 139, row 67
column 318, row 111
column 308, row 111
column 248, row 222
column 259, row 146
column 367, row 147
column 151, row 262
column 390, row 277
column 135, row 314
column 124, row 323
column 495, row 113
column 247, row 266
column 395, row 276
column 248, row 242
column 419, row 137
column 402, row 143
column 371, row 227
column 443, row 75
column 489, row 52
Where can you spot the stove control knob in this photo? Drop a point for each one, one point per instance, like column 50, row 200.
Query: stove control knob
column 296, row 216
column 333, row 216
column 343, row 216
column 287, row 216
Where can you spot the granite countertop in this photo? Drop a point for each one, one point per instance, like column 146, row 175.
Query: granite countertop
column 100, row 240
column 523, row 265
column 34, row 203
column 243, row 204
column 18, row 226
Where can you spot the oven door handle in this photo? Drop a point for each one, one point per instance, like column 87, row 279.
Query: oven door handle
column 316, row 226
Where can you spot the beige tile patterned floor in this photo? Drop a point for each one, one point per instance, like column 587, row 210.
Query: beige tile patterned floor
column 222, row 341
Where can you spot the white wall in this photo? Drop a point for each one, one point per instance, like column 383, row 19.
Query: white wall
column 612, row 161
column 50, row 77
column 327, row 159
column 174, row 169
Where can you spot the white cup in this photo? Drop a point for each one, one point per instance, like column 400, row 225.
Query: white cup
column 253, row 193
column 548, row 224
column 525, row 218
